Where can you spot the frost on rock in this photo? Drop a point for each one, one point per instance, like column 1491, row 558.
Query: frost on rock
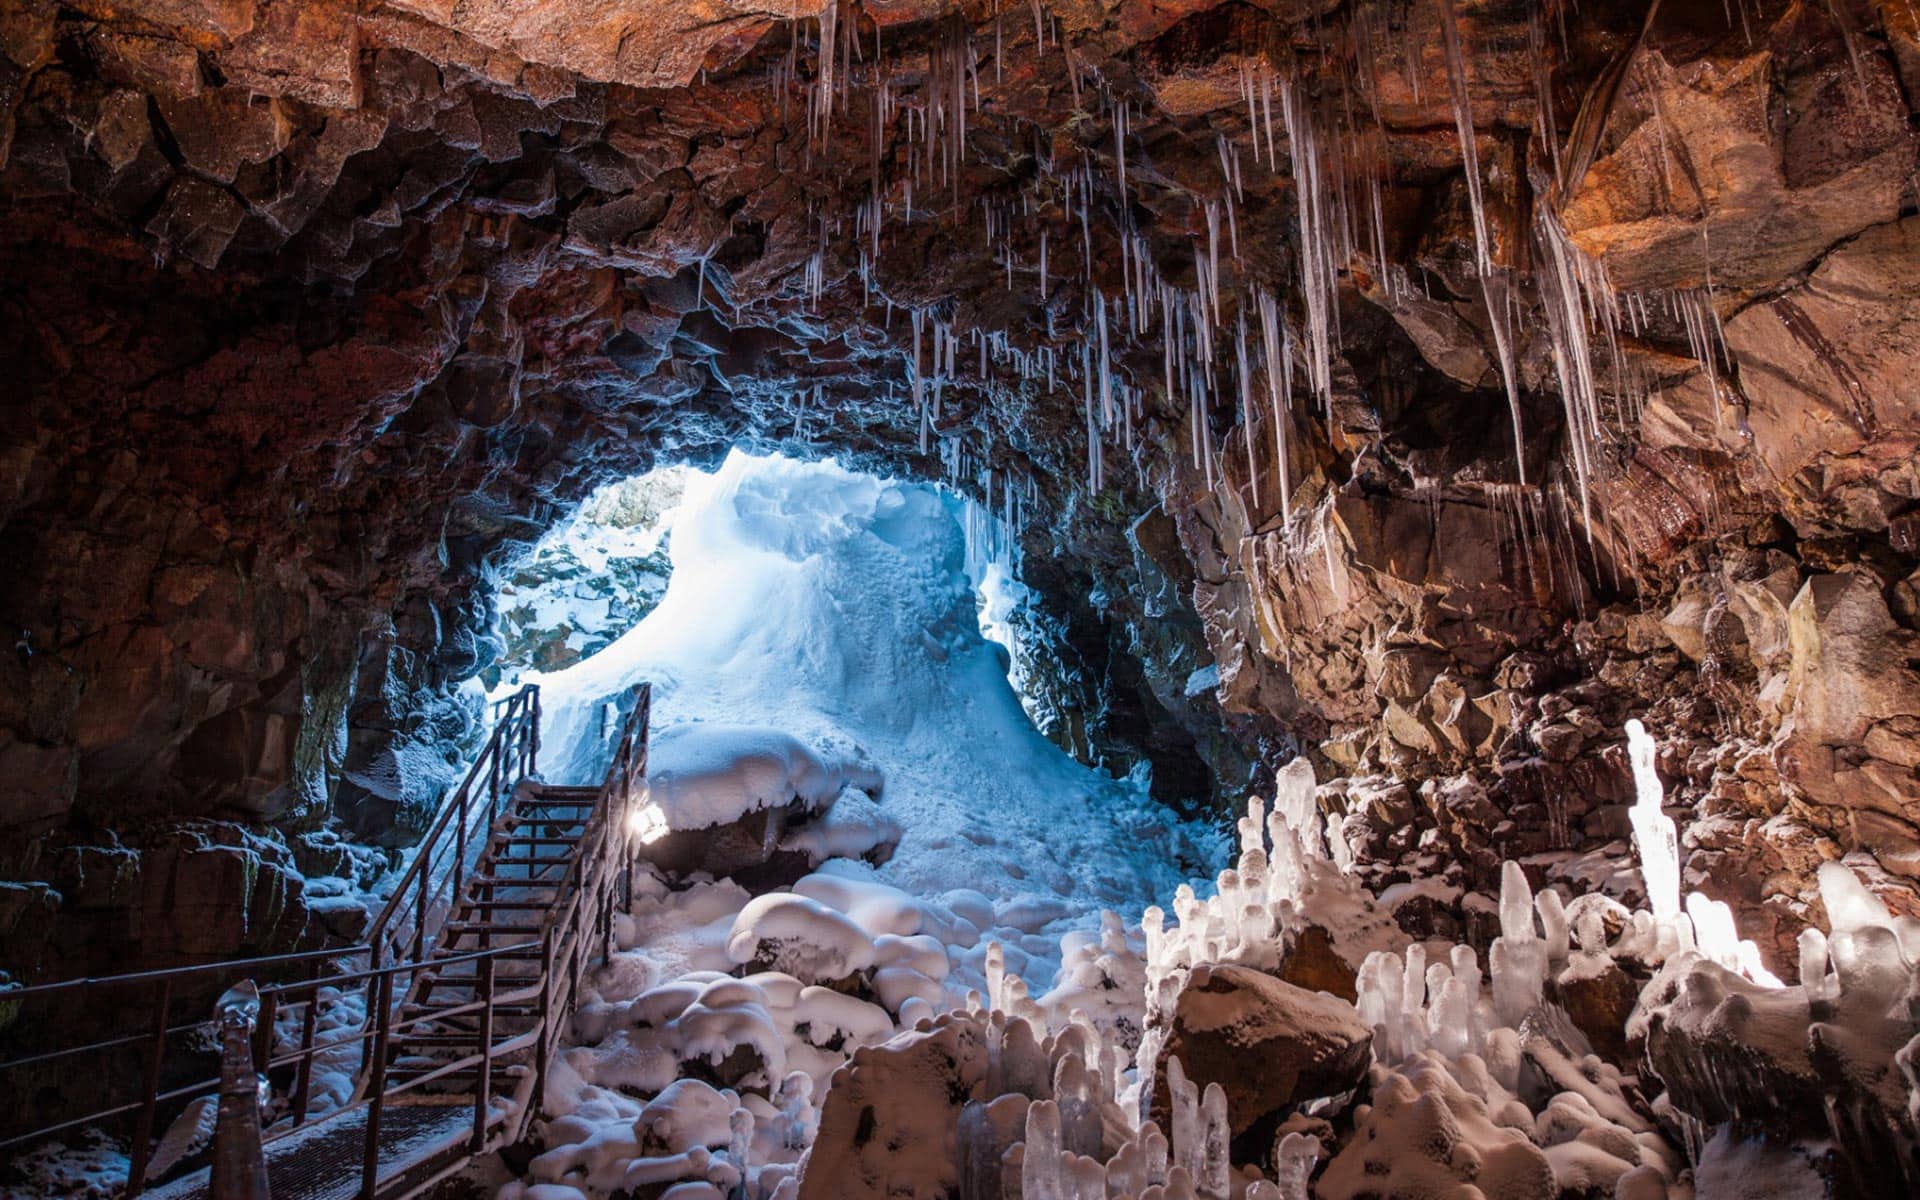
column 978, row 1017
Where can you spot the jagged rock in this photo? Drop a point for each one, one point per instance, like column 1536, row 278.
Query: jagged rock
column 1728, row 1050
column 323, row 310
column 891, row 1119
column 1855, row 708
column 1270, row 1045
column 1312, row 964
column 1599, row 1003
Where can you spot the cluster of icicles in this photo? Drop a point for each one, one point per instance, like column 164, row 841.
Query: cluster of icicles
column 1221, row 357
column 1429, row 1007
column 1427, row 999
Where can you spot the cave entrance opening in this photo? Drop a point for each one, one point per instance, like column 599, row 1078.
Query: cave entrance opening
column 869, row 620
column 599, row 572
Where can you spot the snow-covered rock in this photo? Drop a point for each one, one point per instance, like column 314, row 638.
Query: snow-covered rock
column 702, row 775
column 1425, row 1136
column 890, row 1125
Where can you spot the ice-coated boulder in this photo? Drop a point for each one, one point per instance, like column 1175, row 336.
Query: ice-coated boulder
column 890, row 1127
column 1728, row 1049
column 1425, row 1135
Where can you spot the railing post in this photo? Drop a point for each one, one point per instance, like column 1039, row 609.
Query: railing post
column 263, row 1030
column 483, row 1085
column 460, row 842
column 143, row 1124
column 382, row 988
column 540, row 1050
column 303, row 1072
column 533, row 727
column 420, row 909
column 239, row 1161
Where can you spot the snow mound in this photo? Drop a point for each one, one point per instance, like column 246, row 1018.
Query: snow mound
column 703, row 775
column 837, row 609
column 800, row 936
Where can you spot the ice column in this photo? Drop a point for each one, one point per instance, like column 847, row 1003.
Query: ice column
column 1653, row 830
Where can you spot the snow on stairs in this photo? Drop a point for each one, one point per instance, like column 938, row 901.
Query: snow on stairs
column 502, row 973
column 529, row 868
column 321, row 1161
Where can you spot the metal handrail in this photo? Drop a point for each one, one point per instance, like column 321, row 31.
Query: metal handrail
column 414, row 911
column 581, row 919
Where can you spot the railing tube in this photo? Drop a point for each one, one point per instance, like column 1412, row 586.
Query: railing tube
column 143, row 1124
column 460, row 841
column 540, row 1048
column 263, row 1029
column 382, row 987
column 420, row 909
column 303, row 1071
column 483, row 1086
column 493, row 773
column 533, row 733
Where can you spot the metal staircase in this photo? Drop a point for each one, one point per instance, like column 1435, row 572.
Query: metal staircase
column 467, row 977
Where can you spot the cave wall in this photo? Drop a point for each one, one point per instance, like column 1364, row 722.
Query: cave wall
column 317, row 313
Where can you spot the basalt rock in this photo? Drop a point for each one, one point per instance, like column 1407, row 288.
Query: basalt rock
column 1271, row 1046
column 317, row 313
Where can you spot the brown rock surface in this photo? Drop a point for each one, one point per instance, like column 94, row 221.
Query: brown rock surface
column 315, row 313
column 1268, row 1044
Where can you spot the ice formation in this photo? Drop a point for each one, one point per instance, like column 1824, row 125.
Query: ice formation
column 982, row 999
column 1653, row 831
column 837, row 608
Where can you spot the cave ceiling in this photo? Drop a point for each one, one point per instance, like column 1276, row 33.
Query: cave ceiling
column 1489, row 318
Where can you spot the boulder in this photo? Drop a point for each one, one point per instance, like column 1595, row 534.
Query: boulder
column 1268, row 1044
column 1598, row 997
column 890, row 1125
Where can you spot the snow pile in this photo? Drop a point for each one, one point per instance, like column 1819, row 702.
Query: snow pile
column 94, row 1169
column 836, row 607
column 703, row 775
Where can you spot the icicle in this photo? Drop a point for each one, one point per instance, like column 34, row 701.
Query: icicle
column 1213, row 258
column 1246, row 413
column 1463, row 124
column 1499, row 314
column 919, row 379
column 1276, row 357
column 1316, row 248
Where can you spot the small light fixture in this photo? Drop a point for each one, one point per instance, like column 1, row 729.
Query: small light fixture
column 648, row 822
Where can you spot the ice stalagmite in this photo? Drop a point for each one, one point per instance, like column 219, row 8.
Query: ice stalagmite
column 1518, row 957
column 1653, row 830
column 1040, row 1174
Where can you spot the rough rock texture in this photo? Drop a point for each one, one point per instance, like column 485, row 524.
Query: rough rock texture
column 1268, row 1044
column 889, row 1121
column 316, row 313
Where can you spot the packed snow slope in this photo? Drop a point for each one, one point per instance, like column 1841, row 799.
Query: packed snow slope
column 837, row 606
